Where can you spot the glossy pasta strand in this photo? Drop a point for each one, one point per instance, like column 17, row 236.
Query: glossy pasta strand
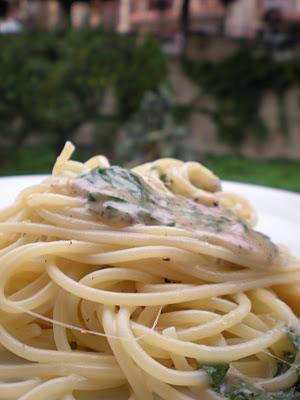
column 89, row 306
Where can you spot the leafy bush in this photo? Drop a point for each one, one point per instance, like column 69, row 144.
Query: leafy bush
column 152, row 131
column 141, row 71
column 53, row 82
column 238, row 83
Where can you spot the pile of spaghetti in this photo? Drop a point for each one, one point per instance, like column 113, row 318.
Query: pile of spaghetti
column 147, row 283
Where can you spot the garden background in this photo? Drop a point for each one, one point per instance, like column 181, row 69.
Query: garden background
column 231, row 103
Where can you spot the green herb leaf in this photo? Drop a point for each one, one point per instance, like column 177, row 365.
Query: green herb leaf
column 216, row 372
column 92, row 197
column 163, row 177
column 282, row 367
column 112, row 211
column 102, row 170
column 242, row 391
column 98, row 196
column 298, row 371
column 118, row 179
column 238, row 395
column 244, row 225
column 172, row 223
column 295, row 339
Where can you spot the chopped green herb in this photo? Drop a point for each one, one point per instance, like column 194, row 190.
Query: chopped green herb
column 244, row 225
column 236, row 389
column 217, row 373
column 102, row 171
column 284, row 366
column 295, row 339
column 112, row 211
column 240, row 390
column 298, row 371
column 291, row 394
column 172, row 223
column 244, row 392
column 238, row 395
column 96, row 196
column 119, row 179
column 163, row 177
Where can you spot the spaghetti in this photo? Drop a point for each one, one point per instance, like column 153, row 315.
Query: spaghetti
column 149, row 282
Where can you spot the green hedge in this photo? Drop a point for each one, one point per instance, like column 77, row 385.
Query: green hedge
column 239, row 82
column 53, row 82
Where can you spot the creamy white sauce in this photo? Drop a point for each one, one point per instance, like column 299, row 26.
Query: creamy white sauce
column 121, row 198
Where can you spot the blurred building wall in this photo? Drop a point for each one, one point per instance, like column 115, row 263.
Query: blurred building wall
column 80, row 14
column 37, row 13
column 283, row 5
column 242, row 19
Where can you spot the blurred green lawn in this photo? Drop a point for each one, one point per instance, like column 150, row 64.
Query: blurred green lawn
column 281, row 174
column 276, row 173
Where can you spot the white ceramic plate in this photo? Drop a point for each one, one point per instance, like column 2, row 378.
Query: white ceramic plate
column 278, row 210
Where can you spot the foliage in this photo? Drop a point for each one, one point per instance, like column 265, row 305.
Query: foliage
column 37, row 159
column 140, row 71
column 152, row 131
column 53, row 82
column 216, row 373
column 238, row 84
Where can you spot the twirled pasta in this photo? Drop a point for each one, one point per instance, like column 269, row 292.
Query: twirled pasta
column 139, row 306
